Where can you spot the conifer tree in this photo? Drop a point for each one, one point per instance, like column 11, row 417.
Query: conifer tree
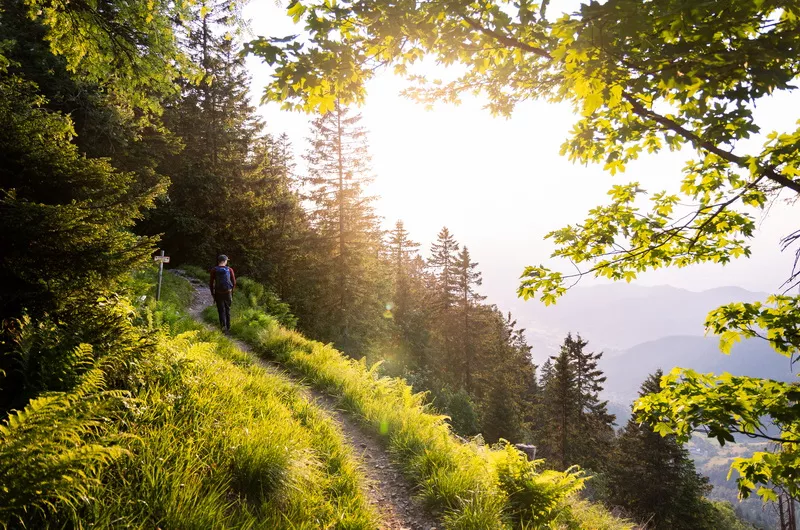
column 417, row 316
column 653, row 476
column 65, row 233
column 503, row 374
column 216, row 124
column 467, row 277
column 402, row 250
column 546, row 373
column 594, row 424
column 271, row 228
column 576, row 426
column 443, row 292
column 443, row 264
column 560, row 399
column 352, row 282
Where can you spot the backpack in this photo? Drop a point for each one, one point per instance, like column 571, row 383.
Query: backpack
column 223, row 281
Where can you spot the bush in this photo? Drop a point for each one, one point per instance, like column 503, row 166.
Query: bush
column 534, row 498
column 43, row 358
column 52, row 451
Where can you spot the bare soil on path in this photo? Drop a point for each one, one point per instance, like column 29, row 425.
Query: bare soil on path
column 387, row 489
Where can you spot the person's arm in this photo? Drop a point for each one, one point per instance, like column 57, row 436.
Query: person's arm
column 211, row 281
column 233, row 279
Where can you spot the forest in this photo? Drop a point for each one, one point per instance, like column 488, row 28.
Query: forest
column 128, row 128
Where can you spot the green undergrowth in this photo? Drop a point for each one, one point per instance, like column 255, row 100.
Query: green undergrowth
column 202, row 438
column 473, row 486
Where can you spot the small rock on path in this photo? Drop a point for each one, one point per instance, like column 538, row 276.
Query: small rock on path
column 387, row 489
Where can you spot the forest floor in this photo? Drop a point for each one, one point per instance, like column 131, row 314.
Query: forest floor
column 390, row 494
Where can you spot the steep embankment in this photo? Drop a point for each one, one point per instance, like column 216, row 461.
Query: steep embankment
column 194, row 435
column 471, row 485
column 388, row 491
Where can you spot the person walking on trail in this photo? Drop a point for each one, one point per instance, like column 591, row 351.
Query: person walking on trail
column 223, row 282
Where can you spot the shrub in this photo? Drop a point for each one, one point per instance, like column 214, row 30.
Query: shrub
column 51, row 452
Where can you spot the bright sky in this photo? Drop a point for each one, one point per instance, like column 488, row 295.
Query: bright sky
column 500, row 185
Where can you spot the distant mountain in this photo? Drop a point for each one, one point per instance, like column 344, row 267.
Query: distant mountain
column 626, row 370
column 619, row 316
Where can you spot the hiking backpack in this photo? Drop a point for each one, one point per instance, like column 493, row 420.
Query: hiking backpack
column 223, row 279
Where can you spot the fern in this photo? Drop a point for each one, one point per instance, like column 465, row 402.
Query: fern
column 52, row 450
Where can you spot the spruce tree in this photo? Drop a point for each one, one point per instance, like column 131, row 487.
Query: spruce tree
column 654, row 478
column 467, row 277
column 65, row 233
column 560, row 399
column 443, row 264
column 408, row 309
column 402, row 251
column 271, row 228
column 594, row 424
column 503, row 374
column 443, row 292
column 348, row 245
column 546, row 372
column 575, row 426
column 216, row 125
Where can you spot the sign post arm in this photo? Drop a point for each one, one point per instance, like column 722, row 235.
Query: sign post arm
column 160, row 274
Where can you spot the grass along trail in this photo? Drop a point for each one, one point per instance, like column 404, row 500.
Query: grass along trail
column 388, row 491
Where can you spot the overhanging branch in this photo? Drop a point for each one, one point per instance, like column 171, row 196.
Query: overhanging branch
column 701, row 143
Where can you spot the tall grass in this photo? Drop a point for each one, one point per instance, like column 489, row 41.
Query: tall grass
column 216, row 445
column 206, row 440
column 473, row 486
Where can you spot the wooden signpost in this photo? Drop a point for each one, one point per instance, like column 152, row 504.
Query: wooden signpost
column 162, row 259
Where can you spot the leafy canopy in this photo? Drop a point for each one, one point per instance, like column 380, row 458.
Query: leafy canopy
column 127, row 48
column 641, row 77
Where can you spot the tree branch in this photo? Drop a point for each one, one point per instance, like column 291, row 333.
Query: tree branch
column 505, row 39
column 766, row 436
column 699, row 142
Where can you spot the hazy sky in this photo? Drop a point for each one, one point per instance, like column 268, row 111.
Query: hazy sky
column 500, row 185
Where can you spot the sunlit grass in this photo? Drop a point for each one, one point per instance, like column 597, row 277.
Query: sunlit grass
column 211, row 440
column 471, row 485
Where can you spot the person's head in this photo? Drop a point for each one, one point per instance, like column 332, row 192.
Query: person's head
column 222, row 259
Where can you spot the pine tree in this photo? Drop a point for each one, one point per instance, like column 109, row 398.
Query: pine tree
column 560, row 399
column 575, row 427
column 467, row 277
column 348, row 247
column 594, row 424
column 217, row 126
column 653, row 476
column 443, row 264
column 402, row 251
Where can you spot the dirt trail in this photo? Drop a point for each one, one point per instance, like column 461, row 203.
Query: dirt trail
column 387, row 489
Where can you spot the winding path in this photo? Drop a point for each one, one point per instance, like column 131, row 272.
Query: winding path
column 388, row 491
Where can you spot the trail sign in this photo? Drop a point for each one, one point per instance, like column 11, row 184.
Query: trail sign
column 161, row 259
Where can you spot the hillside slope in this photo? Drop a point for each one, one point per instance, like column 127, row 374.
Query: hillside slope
column 389, row 494
column 203, row 439
column 472, row 486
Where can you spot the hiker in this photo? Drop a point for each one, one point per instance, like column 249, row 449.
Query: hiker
column 223, row 282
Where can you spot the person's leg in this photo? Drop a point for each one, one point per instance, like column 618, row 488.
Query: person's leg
column 219, row 298
column 228, row 302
